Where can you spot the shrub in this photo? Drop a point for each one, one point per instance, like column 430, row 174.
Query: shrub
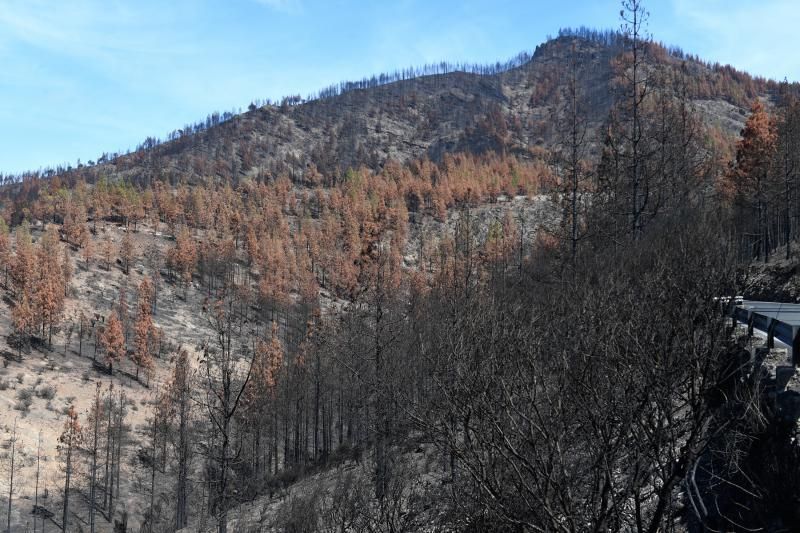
column 23, row 405
column 48, row 392
column 24, row 400
column 300, row 514
column 25, row 394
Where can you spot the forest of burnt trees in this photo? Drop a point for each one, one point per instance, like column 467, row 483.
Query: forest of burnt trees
column 575, row 377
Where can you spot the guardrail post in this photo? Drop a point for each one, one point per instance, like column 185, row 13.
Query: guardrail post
column 795, row 345
column 771, row 332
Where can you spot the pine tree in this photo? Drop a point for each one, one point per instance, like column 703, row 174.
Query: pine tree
column 113, row 341
column 787, row 159
column 179, row 391
column 127, row 252
column 74, row 228
column 12, row 469
column 87, row 251
column 95, row 416
column 48, row 283
column 751, row 173
column 116, row 432
column 629, row 120
column 23, row 266
column 106, row 251
column 23, row 319
column 142, row 355
column 83, row 326
column 182, row 258
column 5, row 251
column 67, row 442
column 66, row 270
column 122, row 312
column 570, row 155
column 228, row 371
column 36, row 509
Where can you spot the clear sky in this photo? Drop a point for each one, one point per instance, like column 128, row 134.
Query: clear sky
column 82, row 77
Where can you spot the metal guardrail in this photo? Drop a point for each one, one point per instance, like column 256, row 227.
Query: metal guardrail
column 774, row 328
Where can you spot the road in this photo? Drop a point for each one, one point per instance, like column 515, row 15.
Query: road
column 787, row 313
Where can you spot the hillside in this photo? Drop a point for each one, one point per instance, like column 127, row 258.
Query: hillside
column 511, row 110
column 38, row 387
column 432, row 115
column 399, row 307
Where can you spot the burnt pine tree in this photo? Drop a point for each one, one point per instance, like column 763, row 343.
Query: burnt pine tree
column 11, row 470
column 570, row 155
column 95, row 416
column 68, row 440
column 787, row 159
column 227, row 370
column 751, row 176
column 180, row 400
column 635, row 89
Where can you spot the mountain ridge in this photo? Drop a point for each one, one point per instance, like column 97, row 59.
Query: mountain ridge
column 511, row 109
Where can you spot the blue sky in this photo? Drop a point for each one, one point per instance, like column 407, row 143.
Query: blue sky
column 82, row 77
